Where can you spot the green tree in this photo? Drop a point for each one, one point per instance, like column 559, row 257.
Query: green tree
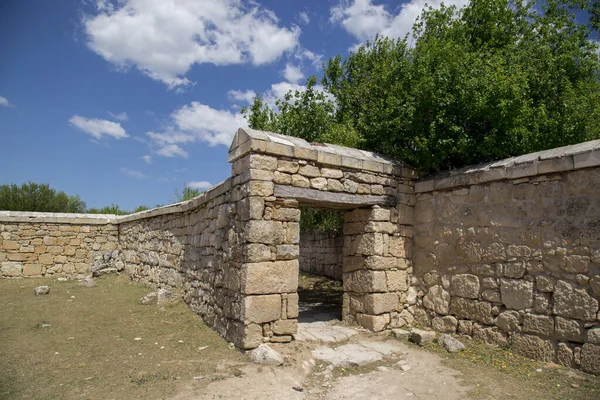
column 496, row 79
column 186, row 194
column 112, row 209
column 38, row 197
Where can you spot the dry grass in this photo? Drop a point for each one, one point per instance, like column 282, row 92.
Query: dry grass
column 90, row 350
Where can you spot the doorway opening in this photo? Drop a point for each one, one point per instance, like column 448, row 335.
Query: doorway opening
column 320, row 283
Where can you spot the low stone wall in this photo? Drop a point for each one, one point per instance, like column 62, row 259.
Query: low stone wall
column 509, row 253
column 40, row 244
column 321, row 253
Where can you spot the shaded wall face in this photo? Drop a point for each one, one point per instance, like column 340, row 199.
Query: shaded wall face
column 43, row 249
column 321, row 253
column 515, row 261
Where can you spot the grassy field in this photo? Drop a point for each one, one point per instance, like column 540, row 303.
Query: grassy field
column 101, row 343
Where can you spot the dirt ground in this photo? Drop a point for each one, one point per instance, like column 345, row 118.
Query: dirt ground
column 90, row 351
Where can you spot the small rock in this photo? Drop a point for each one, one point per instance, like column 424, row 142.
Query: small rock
column 382, row 368
column 298, row 388
column 46, row 325
column 538, row 370
column 198, row 377
column 147, row 299
column 137, row 338
column 400, row 333
column 88, row 282
column 62, row 279
column 263, row 354
column 165, row 296
column 104, row 271
column 202, row 348
column 451, row 344
column 422, row 337
column 574, row 385
column 40, row 290
column 405, row 367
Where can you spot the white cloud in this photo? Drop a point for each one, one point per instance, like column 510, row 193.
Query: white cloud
column 164, row 39
column 98, row 127
column 172, row 150
column 147, row 158
column 304, row 18
column 4, row 102
column 363, row 19
column 131, row 173
column 244, row 96
column 199, row 185
column 121, row 116
column 196, row 122
column 292, row 73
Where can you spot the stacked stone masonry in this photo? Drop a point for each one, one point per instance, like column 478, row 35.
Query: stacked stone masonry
column 507, row 252
column 321, row 253
column 38, row 247
column 514, row 261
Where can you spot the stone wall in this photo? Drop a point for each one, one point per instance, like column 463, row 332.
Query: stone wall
column 321, row 253
column 42, row 244
column 509, row 253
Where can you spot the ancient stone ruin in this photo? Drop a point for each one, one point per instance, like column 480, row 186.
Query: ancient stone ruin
column 507, row 252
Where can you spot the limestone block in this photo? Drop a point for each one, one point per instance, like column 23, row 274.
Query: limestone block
column 290, row 167
column 465, row 285
column 334, row 185
column 378, row 262
column 300, row 181
column 533, row 347
column 256, row 252
column 32, row 269
column 369, row 244
column 253, row 336
column 363, row 188
column 593, row 336
column 421, row 337
column 23, row 256
column 261, row 309
column 332, row 173
column 12, row 268
column 437, row 299
column 515, row 269
column 540, row 325
column 564, row 356
column 288, row 251
column 309, row 171
column 544, row 283
column 285, row 327
column 10, row 245
column 268, row 232
column 516, row 294
column 541, row 303
column 350, row 186
column 509, row 321
column 465, row 327
column 281, row 178
column 495, row 252
column 260, row 188
column 480, row 311
column 595, row 285
column 45, row 259
column 364, row 281
column 574, row 303
column 590, row 358
column 468, row 252
column 492, row 295
column 398, row 320
column 379, row 303
column 490, row 335
column 318, row 183
column 568, row 329
column 446, row 324
column 292, row 305
column 292, row 232
column 397, row 280
column 286, row 214
column 258, row 161
column 399, row 246
column 270, row 277
column 375, row 323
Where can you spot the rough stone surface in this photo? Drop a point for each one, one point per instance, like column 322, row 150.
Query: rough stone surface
column 465, row 285
column 574, row 303
column 590, row 358
column 516, row 294
column 533, row 347
column 421, row 337
column 264, row 354
column 41, row 290
column 437, row 299
column 451, row 344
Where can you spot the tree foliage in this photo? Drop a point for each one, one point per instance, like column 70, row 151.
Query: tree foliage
column 186, row 194
column 496, row 79
column 38, row 197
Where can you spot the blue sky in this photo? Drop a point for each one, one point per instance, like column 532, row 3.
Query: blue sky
column 122, row 102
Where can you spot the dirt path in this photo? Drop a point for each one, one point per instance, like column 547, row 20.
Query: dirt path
column 425, row 378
